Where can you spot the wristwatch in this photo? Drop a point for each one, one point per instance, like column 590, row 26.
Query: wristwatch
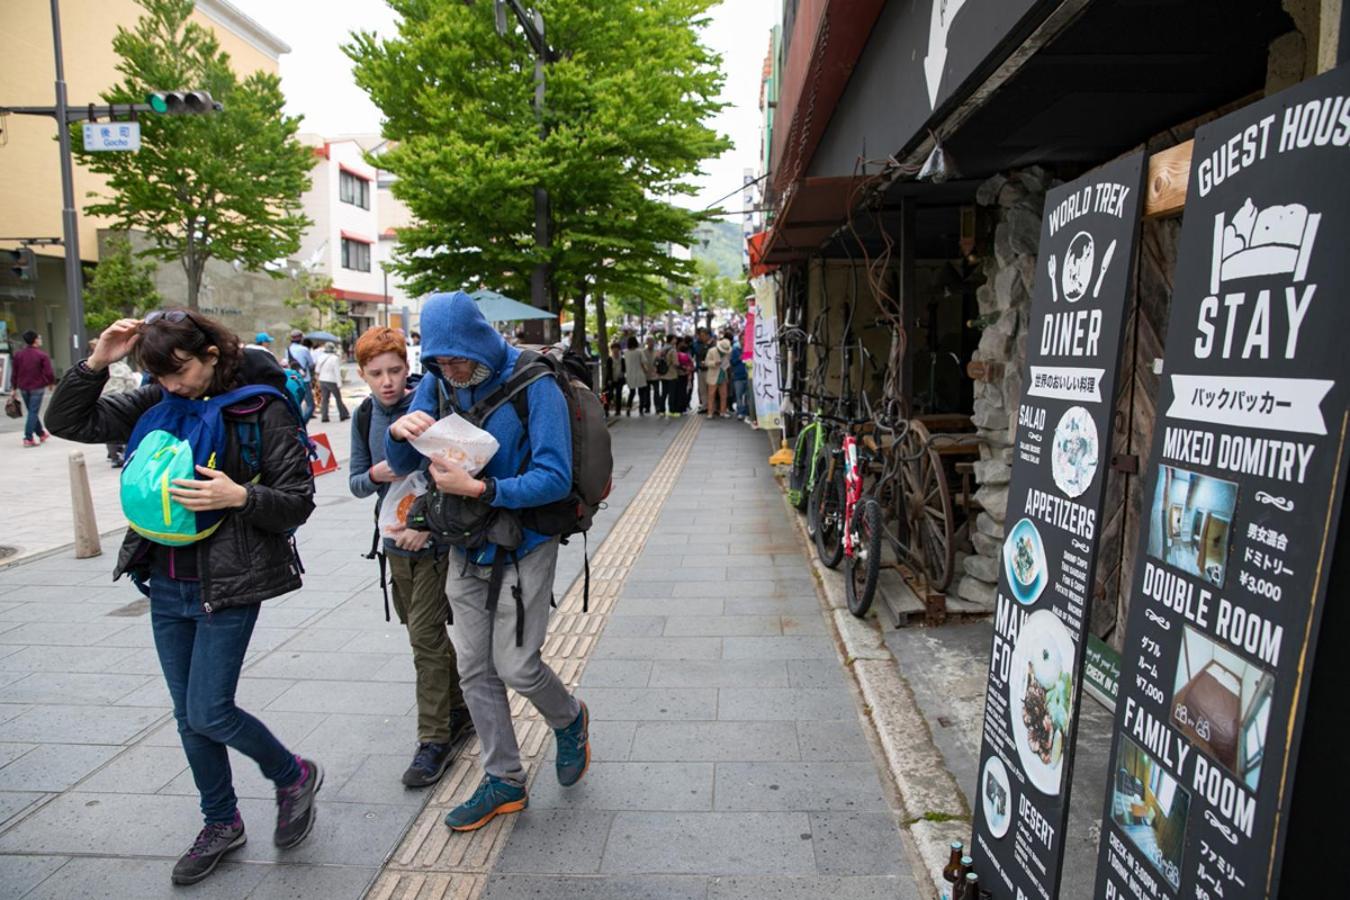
column 489, row 490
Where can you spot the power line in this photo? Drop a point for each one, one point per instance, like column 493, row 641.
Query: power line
column 735, row 192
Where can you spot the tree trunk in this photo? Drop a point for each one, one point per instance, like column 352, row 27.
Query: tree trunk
column 579, row 324
column 193, row 269
column 601, row 328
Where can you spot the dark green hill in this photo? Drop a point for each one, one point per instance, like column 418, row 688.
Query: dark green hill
column 720, row 243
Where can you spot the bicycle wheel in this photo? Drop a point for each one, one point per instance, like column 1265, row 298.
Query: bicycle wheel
column 828, row 499
column 799, row 493
column 862, row 568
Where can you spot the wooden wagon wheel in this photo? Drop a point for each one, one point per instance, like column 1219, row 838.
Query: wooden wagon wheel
column 928, row 507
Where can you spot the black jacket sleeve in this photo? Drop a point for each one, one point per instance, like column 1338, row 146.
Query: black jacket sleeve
column 283, row 497
column 78, row 413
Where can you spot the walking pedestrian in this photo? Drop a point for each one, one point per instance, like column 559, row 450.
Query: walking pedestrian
column 415, row 353
column 32, row 376
column 261, row 341
column 205, row 596
column 712, row 374
column 685, row 361
column 498, row 644
column 667, row 369
column 418, row 565
column 724, row 375
column 614, row 379
column 700, row 348
column 636, row 370
column 299, row 357
column 740, row 379
column 329, row 367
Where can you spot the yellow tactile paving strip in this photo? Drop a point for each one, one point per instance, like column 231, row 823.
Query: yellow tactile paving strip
column 434, row 863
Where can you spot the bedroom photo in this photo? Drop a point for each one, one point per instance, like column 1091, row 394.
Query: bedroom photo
column 1151, row 808
column 1191, row 522
column 1221, row 703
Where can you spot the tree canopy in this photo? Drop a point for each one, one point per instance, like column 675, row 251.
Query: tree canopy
column 626, row 104
column 224, row 186
column 122, row 285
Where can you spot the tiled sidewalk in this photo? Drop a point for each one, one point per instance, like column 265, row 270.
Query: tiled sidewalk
column 728, row 758
column 95, row 796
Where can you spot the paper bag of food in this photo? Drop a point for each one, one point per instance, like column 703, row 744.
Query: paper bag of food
column 456, row 439
column 398, row 500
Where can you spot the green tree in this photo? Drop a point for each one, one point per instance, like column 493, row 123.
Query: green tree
column 718, row 291
column 122, row 286
column 316, row 307
column 625, row 113
column 225, row 186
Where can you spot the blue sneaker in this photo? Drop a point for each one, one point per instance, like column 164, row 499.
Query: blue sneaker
column 574, row 748
column 494, row 797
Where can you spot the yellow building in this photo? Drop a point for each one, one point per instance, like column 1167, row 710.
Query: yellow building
column 30, row 189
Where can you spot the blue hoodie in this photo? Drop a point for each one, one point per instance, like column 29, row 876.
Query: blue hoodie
column 452, row 325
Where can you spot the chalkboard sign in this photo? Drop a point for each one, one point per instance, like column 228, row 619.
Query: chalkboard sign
column 1060, row 461
column 1241, row 499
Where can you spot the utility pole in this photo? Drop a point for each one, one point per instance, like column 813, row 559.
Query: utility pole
column 532, row 23
column 70, row 226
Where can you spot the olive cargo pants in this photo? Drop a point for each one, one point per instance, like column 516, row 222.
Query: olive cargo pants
column 420, row 601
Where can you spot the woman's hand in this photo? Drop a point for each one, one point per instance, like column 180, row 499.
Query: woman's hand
column 381, row 473
column 218, row 491
column 451, row 478
column 116, row 341
column 410, row 426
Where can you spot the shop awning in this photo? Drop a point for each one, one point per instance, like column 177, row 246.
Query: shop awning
column 813, row 209
column 755, row 246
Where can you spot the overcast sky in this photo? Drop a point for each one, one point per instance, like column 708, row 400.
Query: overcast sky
column 317, row 76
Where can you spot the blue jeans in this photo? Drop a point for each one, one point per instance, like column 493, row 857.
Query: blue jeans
column 32, row 426
column 740, row 387
column 201, row 656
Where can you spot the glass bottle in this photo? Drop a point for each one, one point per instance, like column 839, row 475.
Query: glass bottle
column 972, row 887
column 952, row 872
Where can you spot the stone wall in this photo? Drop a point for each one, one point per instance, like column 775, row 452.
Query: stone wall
column 1015, row 201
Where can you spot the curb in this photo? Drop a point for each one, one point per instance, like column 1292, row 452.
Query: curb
column 935, row 811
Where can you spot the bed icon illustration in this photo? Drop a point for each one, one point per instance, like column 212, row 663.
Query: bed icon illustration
column 1277, row 240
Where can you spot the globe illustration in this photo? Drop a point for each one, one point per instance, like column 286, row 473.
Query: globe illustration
column 1078, row 262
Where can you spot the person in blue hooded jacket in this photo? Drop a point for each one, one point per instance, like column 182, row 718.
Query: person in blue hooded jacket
column 464, row 357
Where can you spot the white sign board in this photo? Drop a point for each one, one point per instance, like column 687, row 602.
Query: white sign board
column 112, row 136
column 767, row 401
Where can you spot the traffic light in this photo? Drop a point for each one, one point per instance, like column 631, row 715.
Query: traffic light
column 20, row 263
column 182, row 103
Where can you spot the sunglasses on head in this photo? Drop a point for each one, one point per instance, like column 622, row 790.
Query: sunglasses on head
column 170, row 315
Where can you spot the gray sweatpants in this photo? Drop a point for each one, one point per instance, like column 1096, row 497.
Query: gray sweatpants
column 490, row 662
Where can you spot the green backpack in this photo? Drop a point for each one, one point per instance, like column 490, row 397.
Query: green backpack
column 169, row 441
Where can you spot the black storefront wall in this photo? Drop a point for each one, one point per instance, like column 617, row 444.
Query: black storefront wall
column 1061, row 456
column 1246, row 476
column 918, row 57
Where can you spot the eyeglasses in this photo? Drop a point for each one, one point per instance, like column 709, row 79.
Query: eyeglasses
column 173, row 316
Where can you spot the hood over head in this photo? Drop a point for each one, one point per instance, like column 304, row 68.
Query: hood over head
column 453, row 325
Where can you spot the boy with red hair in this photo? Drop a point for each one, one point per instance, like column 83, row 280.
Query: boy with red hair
column 417, row 564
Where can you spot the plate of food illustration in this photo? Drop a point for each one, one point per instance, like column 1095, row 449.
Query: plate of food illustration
column 996, row 796
column 1040, row 698
column 1024, row 562
column 1073, row 456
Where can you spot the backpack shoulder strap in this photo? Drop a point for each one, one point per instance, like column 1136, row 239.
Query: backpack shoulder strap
column 530, row 367
column 362, row 416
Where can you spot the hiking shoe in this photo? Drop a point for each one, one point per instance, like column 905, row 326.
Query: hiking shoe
column 44, row 437
column 295, row 805
column 461, row 725
column 210, row 847
column 29, row 442
column 494, row 797
column 428, row 765
column 574, row 748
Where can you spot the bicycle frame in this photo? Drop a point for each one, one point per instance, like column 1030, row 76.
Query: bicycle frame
column 853, row 489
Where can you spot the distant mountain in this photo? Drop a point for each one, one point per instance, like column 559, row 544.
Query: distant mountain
column 720, row 243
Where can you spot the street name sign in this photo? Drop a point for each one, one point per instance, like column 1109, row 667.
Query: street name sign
column 1060, row 463
column 101, row 136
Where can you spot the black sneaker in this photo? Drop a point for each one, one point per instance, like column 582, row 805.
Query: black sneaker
column 428, row 765
column 295, row 806
column 206, row 852
column 461, row 725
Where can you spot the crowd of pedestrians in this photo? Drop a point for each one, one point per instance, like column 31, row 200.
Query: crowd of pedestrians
column 672, row 375
column 476, row 609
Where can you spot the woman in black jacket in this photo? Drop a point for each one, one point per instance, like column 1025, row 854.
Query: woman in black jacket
column 204, row 597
